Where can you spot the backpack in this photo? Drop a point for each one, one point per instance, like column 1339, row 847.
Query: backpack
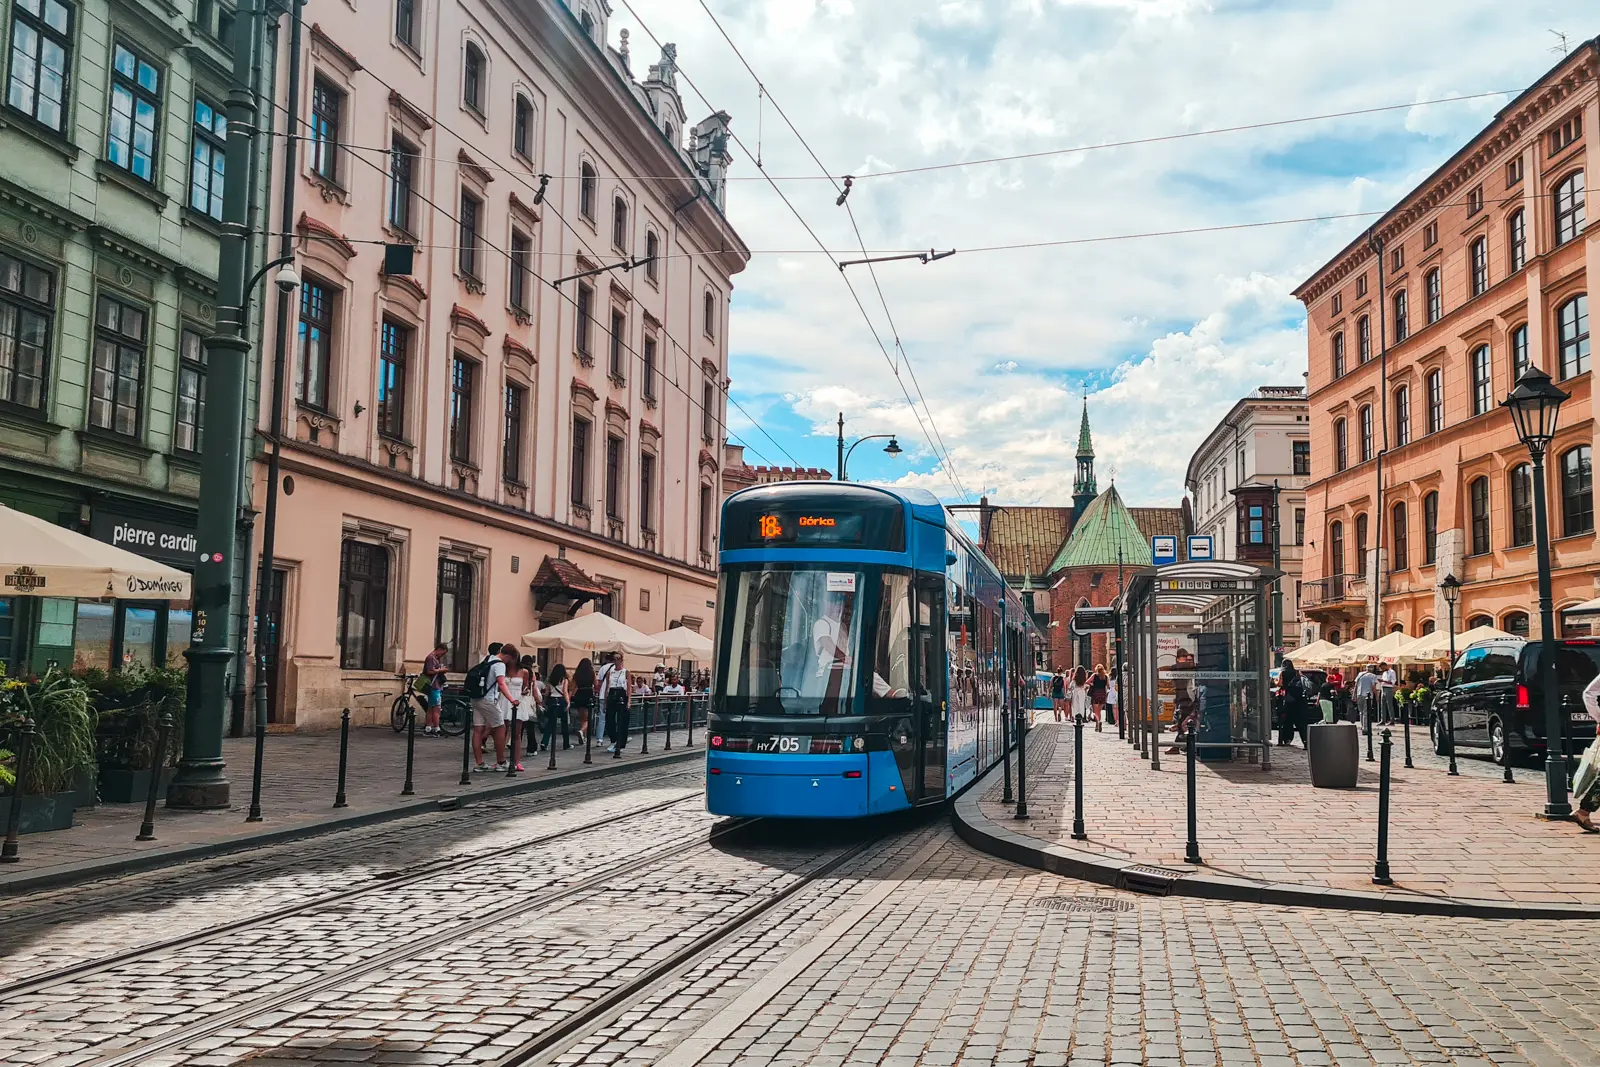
column 476, row 686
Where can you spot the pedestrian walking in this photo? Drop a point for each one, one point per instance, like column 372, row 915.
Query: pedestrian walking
column 485, row 686
column 1058, row 694
column 583, row 702
column 434, row 668
column 1078, row 693
column 612, row 683
column 1293, row 716
column 1097, row 694
column 1366, row 695
column 532, row 704
column 1111, row 699
column 557, row 700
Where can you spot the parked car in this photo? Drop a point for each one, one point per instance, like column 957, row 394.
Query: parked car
column 1497, row 700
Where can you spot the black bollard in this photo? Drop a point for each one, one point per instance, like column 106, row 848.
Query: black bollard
column 1450, row 730
column 8, row 851
column 1022, row 768
column 147, row 829
column 255, row 776
column 1191, row 851
column 1405, row 720
column 1380, row 870
column 667, row 743
column 690, row 716
column 1508, row 779
column 1005, row 756
column 588, row 733
column 344, row 757
column 411, row 748
column 550, row 725
column 1372, row 710
column 644, row 732
column 466, row 746
column 1077, row 779
column 511, row 768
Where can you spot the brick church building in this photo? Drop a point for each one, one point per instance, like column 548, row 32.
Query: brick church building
column 1064, row 558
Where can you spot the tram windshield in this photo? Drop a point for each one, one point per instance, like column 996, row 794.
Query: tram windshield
column 794, row 642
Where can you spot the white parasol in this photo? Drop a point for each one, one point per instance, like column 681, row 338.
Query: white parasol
column 39, row 558
column 595, row 632
column 684, row 643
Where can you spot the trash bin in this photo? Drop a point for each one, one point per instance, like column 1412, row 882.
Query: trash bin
column 1334, row 753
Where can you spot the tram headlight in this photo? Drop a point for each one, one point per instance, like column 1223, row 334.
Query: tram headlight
column 860, row 744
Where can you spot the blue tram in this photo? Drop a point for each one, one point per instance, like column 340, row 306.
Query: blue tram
column 866, row 650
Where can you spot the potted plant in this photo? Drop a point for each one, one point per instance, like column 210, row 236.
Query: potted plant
column 48, row 785
column 128, row 705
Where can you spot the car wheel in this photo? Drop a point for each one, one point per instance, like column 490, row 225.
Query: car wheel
column 1436, row 735
column 1499, row 747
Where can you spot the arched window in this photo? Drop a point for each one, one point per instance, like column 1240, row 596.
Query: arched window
column 1569, row 208
column 1400, row 556
column 652, row 255
column 1521, row 487
column 1402, row 328
column 1402, row 416
column 1341, row 445
column 1520, row 359
column 1572, row 335
column 1435, row 401
column 472, row 79
column 1338, row 354
column 1479, row 495
column 1517, row 240
column 522, row 128
column 1426, row 628
column 1336, row 548
column 1430, row 528
column 1333, row 637
column 1366, row 432
column 1480, row 266
column 1397, row 628
column 1515, row 623
column 1482, row 381
column 586, row 191
column 1576, row 625
column 1435, row 291
column 1364, row 339
column 1361, row 544
column 1479, row 620
column 671, row 134
column 619, row 224
column 1577, row 492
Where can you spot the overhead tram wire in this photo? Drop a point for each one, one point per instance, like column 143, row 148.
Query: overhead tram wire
column 944, row 459
column 491, row 246
column 693, row 401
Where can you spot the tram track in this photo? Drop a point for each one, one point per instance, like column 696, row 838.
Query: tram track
column 452, row 864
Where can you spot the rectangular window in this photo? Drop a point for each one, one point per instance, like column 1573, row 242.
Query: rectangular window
column 1366, row 433
column 41, row 61
column 326, row 105
column 1521, row 505
column 649, row 368
column 316, row 341
column 206, row 165
column 1520, row 360
column 1364, row 339
column 708, row 412
column 1474, row 205
column 1482, row 381
column 1572, row 336
column 1257, row 525
column 1430, row 235
column 647, row 491
column 1514, row 172
column 1338, row 303
column 619, row 325
column 710, row 314
column 1398, row 258
column 1402, row 321
column 705, row 519
column 1480, row 266
column 613, row 477
column 511, row 454
column 27, row 308
column 1577, row 491
column 1299, row 526
column 1430, row 528
column 1435, row 402
column 467, row 259
column 191, row 391
column 1402, row 539
column 1361, row 285
column 1571, row 212
column 580, row 462
column 363, row 605
column 1479, row 495
column 520, row 249
column 1402, row 416
column 1435, row 291
column 1566, row 133
column 405, row 23
column 462, row 387
column 116, row 383
column 1338, row 355
column 452, row 613
column 402, row 184
column 585, row 321
column 1302, row 457
column 135, row 113
column 394, row 352
column 1517, row 239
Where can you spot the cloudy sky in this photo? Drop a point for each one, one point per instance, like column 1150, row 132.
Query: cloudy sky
column 1162, row 333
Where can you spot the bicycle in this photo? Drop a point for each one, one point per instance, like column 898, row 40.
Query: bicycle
column 455, row 711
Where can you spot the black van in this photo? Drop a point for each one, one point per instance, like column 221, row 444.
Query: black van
column 1497, row 701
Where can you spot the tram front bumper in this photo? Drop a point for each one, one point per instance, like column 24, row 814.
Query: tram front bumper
column 803, row 786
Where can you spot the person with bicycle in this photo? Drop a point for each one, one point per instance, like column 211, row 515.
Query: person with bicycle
column 434, row 668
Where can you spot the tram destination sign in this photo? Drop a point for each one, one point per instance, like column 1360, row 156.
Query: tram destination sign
column 806, row 528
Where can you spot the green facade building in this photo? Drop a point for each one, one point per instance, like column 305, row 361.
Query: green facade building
column 112, row 152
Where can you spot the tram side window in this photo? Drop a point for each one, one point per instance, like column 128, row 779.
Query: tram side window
column 891, row 675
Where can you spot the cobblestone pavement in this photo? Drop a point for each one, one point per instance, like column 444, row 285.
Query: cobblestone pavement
column 1471, row 836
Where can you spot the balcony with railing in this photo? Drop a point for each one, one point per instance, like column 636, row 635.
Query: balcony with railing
column 1334, row 591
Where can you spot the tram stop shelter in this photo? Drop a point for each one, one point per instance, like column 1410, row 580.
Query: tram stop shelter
column 1197, row 635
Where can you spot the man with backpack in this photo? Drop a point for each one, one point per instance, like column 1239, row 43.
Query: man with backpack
column 611, row 685
column 485, row 685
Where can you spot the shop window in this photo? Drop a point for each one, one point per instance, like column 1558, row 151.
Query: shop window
column 452, row 613
column 363, row 605
column 1516, row 624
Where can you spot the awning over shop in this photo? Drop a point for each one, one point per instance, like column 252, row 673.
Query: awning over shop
column 39, row 558
column 564, row 585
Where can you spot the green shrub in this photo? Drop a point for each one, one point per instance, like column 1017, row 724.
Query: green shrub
column 63, row 739
column 128, row 705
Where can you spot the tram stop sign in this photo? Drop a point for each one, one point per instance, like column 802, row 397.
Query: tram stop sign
column 1094, row 621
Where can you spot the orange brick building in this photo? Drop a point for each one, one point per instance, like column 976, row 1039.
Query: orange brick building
column 1417, row 331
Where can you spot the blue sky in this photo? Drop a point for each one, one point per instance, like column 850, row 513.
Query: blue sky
column 1162, row 333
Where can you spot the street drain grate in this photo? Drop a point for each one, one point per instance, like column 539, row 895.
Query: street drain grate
column 1084, row 905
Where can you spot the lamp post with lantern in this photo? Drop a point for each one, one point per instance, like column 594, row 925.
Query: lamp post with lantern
column 892, row 448
column 1535, row 405
column 1451, row 587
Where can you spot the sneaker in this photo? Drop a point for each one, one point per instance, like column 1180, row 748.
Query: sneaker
column 480, row 767
column 520, row 767
column 500, row 768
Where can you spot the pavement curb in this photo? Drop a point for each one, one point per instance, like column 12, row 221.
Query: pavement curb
column 166, row 857
column 996, row 839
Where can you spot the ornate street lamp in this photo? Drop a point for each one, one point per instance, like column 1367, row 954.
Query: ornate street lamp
column 1451, row 587
column 1535, row 405
column 892, row 448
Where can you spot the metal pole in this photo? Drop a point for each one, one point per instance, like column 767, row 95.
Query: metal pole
column 1555, row 759
column 511, row 770
column 1077, row 779
column 588, row 733
column 8, row 851
column 1263, row 686
column 1405, row 721
column 200, row 782
column 1022, row 769
column 690, row 714
column 466, row 745
column 1277, row 565
column 1005, row 756
column 147, row 829
column 411, row 747
column 1155, row 687
column 646, row 714
column 839, row 467
column 344, row 757
column 1372, row 709
column 1380, row 869
column 1449, row 705
column 667, row 744
column 1191, row 852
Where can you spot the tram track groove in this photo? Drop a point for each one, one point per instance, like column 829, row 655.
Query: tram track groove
column 450, row 864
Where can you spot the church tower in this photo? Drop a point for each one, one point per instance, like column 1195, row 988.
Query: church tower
column 1084, row 489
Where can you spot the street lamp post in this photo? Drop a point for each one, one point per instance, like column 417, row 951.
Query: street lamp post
column 892, row 448
column 1277, row 583
column 1535, row 405
column 1452, row 593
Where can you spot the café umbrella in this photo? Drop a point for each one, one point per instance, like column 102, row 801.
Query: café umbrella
column 684, row 643
column 39, row 558
column 595, row 632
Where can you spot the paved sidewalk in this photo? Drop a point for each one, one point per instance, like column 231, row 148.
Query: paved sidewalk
column 1454, row 842
column 299, row 778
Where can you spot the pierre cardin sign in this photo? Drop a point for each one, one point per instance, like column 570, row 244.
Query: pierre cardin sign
column 154, row 539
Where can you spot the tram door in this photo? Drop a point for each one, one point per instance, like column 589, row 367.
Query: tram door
column 932, row 685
